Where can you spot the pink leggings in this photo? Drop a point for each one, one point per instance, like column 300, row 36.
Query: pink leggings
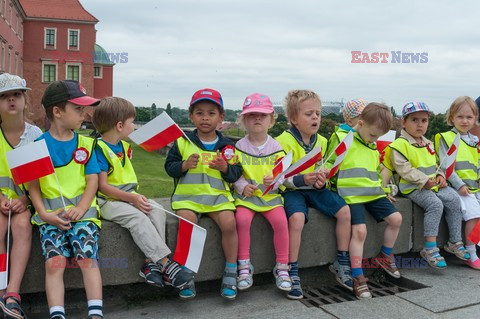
column 277, row 218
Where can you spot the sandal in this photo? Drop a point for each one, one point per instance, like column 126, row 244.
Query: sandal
column 12, row 310
column 433, row 258
column 282, row 278
column 457, row 249
column 245, row 276
column 229, row 282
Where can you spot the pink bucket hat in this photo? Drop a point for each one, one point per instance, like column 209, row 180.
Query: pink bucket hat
column 353, row 108
column 257, row 102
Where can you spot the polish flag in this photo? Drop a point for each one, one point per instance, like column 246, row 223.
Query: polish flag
column 157, row 133
column 3, row 271
column 341, row 150
column 279, row 170
column 190, row 242
column 474, row 235
column 307, row 161
column 386, row 139
column 451, row 156
column 30, row 162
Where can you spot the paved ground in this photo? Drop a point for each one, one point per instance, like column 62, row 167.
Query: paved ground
column 451, row 293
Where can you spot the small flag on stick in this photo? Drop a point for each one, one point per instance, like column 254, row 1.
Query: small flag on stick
column 279, row 170
column 341, row 151
column 307, row 161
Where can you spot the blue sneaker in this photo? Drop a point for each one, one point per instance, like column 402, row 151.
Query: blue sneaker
column 152, row 274
column 175, row 275
column 296, row 292
column 188, row 291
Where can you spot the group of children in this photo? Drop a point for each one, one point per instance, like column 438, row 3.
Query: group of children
column 226, row 181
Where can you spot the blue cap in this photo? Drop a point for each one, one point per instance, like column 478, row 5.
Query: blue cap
column 412, row 107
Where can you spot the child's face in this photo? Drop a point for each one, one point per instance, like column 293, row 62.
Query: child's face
column 256, row 123
column 72, row 117
column 125, row 128
column 308, row 117
column 12, row 102
column 416, row 124
column 206, row 117
column 464, row 119
column 352, row 122
column 369, row 133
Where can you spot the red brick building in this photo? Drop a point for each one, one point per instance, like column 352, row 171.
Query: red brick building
column 49, row 40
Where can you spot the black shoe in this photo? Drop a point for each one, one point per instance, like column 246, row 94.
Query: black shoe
column 176, row 275
column 152, row 274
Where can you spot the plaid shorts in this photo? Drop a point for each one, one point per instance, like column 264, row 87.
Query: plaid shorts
column 80, row 241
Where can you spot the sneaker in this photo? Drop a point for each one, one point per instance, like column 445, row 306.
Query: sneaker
column 245, row 275
column 433, row 258
column 188, row 291
column 360, row 287
column 474, row 264
column 387, row 262
column 296, row 291
column 152, row 274
column 176, row 275
column 282, row 278
column 457, row 249
column 343, row 274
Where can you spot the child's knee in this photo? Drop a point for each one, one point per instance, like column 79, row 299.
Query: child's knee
column 55, row 265
column 359, row 233
column 22, row 227
column 395, row 220
column 296, row 222
column 343, row 215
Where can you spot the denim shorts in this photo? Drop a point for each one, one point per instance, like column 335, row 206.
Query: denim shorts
column 379, row 209
column 326, row 201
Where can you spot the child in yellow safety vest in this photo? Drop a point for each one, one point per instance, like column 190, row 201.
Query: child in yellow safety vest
column 358, row 181
column 257, row 153
column 462, row 115
column 412, row 156
column 202, row 173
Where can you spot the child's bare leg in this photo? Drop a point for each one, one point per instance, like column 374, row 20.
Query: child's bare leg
column 359, row 234
column 343, row 228
column 54, row 287
column 295, row 228
column 226, row 222
column 92, row 280
column 394, row 221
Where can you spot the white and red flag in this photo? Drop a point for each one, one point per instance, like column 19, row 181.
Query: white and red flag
column 3, row 272
column 474, row 235
column 451, row 157
column 384, row 140
column 341, row 151
column 30, row 162
column 190, row 242
column 307, row 161
column 278, row 170
column 157, row 133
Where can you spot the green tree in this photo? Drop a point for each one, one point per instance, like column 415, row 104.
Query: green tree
column 327, row 127
column 280, row 126
column 169, row 110
column 438, row 124
column 143, row 114
column 154, row 110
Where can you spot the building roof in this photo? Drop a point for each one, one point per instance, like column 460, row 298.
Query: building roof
column 101, row 56
column 57, row 9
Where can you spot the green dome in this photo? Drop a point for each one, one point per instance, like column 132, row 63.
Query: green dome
column 101, row 56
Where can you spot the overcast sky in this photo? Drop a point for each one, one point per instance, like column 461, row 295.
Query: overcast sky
column 241, row 47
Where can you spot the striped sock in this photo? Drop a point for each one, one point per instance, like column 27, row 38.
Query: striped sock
column 95, row 307
column 57, row 311
column 293, row 269
column 343, row 258
column 357, row 272
column 430, row 245
column 387, row 250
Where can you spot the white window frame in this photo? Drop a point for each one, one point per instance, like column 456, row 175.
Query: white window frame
column 45, row 38
column 75, row 48
column 10, row 14
column 2, row 8
column 3, row 54
column 101, row 72
column 9, row 60
column 43, row 69
column 79, row 70
column 16, row 63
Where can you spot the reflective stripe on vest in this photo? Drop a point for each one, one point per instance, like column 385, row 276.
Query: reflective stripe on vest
column 73, row 183
column 357, row 180
column 9, row 188
column 201, row 189
column 419, row 158
column 7, row 185
column 121, row 174
column 255, row 168
column 466, row 166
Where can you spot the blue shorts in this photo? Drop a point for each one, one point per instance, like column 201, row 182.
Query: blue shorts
column 326, row 201
column 80, row 241
column 379, row 209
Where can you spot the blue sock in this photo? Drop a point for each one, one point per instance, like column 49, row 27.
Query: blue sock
column 343, row 258
column 230, row 268
column 293, row 269
column 357, row 272
column 430, row 245
column 387, row 250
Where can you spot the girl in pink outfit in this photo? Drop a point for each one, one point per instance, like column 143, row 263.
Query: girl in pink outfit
column 258, row 153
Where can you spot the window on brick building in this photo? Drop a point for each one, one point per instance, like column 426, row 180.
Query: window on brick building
column 49, row 72
column 97, row 72
column 73, row 72
column 2, row 61
column 50, row 37
column 2, row 7
column 73, row 39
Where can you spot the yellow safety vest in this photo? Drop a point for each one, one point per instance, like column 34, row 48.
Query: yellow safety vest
column 120, row 175
column 358, row 180
column 254, row 169
column 7, row 186
column 420, row 157
column 466, row 165
column 73, row 182
column 201, row 189
column 290, row 143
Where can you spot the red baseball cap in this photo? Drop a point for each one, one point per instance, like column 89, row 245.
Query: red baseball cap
column 209, row 95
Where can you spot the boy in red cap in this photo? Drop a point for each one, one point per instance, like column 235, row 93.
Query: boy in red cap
column 202, row 171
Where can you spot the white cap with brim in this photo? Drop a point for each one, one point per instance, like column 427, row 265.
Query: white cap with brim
column 10, row 82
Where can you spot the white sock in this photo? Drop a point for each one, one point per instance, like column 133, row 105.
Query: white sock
column 95, row 307
column 472, row 250
column 57, row 311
